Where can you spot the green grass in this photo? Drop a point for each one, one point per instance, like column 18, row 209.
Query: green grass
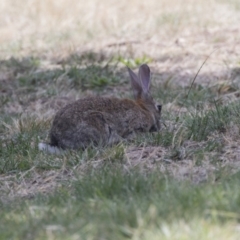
column 104, row 194
column 109, row 203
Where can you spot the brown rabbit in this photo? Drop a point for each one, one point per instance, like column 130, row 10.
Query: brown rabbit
column 103, row 120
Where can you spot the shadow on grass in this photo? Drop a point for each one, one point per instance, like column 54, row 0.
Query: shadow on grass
column 97, row 72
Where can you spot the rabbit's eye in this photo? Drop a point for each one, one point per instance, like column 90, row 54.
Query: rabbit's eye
column 158, row 107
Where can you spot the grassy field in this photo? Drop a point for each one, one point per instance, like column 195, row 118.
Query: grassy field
column 180, row 183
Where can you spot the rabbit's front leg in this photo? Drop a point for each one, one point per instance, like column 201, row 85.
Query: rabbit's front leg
column 114, row 137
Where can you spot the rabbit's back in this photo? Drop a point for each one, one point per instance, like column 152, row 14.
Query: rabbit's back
column 80, row 109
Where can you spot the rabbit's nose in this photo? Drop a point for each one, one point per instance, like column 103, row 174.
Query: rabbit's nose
column 153, row 128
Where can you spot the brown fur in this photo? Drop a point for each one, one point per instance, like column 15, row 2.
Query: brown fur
column 99, row 120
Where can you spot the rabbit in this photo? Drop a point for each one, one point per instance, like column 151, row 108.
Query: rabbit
column 105, row 120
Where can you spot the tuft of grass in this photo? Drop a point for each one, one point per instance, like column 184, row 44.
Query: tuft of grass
column 92, row 76
column 136, row 62
column 201, row 125
column 21, row 65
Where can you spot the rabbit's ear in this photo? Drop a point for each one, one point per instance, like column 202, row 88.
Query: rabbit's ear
column 135, row 83
column 144, row 77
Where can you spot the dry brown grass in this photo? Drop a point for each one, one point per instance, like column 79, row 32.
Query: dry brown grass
column 178, row 35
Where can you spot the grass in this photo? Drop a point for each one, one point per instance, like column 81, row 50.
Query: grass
column 165, row 184
column 106, row 204
column 180, row 183
column 178, row 178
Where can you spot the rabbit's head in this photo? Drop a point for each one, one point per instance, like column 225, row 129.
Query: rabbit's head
column 141, row 91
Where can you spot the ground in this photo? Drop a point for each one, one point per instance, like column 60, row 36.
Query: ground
column 53, row 52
